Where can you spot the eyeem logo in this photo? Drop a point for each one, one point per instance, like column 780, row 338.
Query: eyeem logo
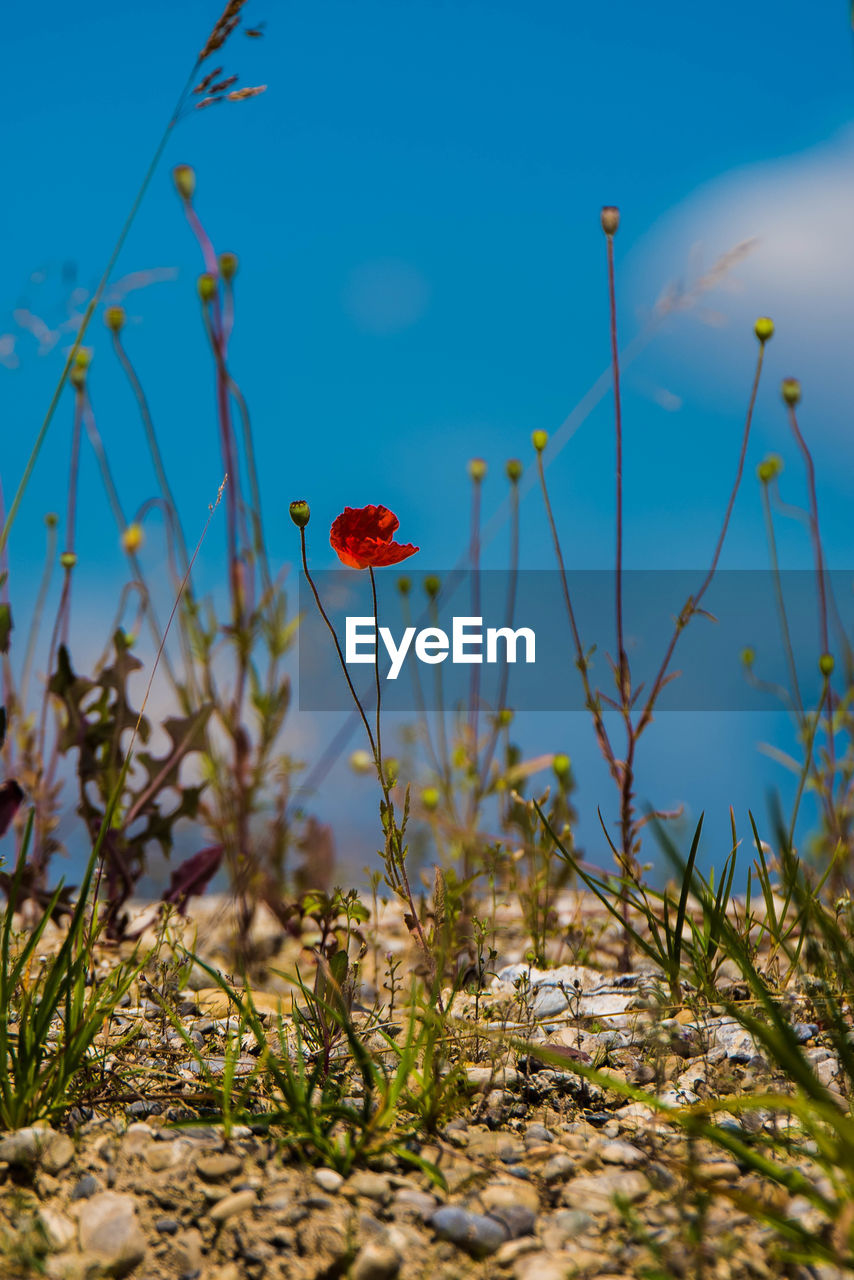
column 432, row 645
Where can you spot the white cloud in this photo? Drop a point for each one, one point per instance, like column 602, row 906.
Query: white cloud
column 800, row 270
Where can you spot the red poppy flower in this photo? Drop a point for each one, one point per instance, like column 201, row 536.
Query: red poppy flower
column 362, row 538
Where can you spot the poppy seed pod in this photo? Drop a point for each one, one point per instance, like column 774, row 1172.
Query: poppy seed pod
column 748, row 656
column 77, row 377
column 610, row 219
column 300, row 513
column 826, row 664
column 539, row 439
column 132, row 538
column 68, row 559
column 206, row 285
column 404, row 586
column 184, row 177
column 791, row 390
column 514, row 470
column 432, row 586
column 228, row 264
column 764, row 328
column 51, row 519
column 477, row 469
column 114, row 318
column 770, row 467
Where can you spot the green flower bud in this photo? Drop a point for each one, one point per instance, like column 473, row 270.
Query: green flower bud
column 184, row 177
column 764, row 329
column 432, row 586
column 561, row 765
column 791, row 390
column 300, row 513
column 114, row 318
column 770, row 467
column 68, row 559
column 132, row 538
column 206, row 285
column 514, row 470
column 77, row 377
column 404, row 586
column 477, row 469
column 539, row 439
column 392, row 770
column 826, row 664
column 610, row 219
column 228, row 264
column 430, row 799
column 83, row 357
column 504, row 717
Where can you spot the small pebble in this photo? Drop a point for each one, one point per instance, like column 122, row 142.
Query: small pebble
column 239, row 1202
column 87, row 1186
column 478, row 1234
column 218, row 1168
column 329, row 1179
column 376, row 1262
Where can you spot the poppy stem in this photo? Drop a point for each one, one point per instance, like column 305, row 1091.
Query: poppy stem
column 377, row 670
column 332, row 632
column 395, row 859
column 393, row 834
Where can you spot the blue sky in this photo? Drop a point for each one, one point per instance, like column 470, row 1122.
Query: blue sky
column 415, row 205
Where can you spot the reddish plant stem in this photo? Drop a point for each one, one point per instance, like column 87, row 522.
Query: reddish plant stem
column 822, row 591
column 618, row 432
column 474, row 554
column 693, row 602
column 592, row 701
column 505, row 669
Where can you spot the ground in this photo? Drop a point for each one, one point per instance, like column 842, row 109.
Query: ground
column 542, row 1174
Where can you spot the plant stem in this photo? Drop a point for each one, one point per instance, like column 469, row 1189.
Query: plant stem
column 153, row 447
column 781, row 603
column 337, row 644
column 693, row 602
column 618, row 431
column 822, row 603
column 489, row 751
column 580, row 659
column 90, row 309
column 377, row 672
